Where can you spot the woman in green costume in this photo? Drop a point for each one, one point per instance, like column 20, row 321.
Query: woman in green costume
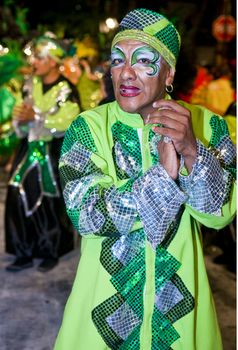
column 140, row 175
column 36, row 223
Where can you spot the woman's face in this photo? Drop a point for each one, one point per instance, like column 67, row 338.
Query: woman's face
column 42, row 65
column 139, row 76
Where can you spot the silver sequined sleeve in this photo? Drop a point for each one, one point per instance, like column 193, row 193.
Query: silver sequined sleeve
column 158, row 200
column 207, row 185
column 93, row 207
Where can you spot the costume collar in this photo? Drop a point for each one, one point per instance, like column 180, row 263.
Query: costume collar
column 131, row 119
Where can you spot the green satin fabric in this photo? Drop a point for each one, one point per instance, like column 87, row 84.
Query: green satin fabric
column 8, row 138
column 7, row 101
column 37, row 156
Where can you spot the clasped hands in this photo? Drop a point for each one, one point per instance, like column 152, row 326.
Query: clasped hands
column 175, row 121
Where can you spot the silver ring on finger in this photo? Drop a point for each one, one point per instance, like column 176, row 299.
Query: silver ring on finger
column 167, row 139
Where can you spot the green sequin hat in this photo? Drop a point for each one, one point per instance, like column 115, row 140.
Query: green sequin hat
column 153, row 29
column 45, row 46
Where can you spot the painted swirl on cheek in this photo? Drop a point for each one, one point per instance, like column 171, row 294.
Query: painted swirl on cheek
column 147, row 57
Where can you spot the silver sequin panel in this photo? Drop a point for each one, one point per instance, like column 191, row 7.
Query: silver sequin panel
column 158, row 200
column 227, row 149
column 121, row 208
column 128, row 246
column 167, row 297
column 77, row 157
column 126, row 162
column 123, row 321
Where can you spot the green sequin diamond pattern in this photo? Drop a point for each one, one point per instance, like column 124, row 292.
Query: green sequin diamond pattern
column 128, row 157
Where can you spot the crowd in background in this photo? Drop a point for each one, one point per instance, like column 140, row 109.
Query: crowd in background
column 210, row 86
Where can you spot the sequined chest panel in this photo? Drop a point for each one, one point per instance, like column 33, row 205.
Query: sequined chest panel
column 128, row 149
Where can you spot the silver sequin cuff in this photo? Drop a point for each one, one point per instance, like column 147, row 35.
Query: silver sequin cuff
column 158, row 199
column 90, row 220
column 207, row 184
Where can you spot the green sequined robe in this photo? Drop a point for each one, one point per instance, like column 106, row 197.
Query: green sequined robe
column 141, row 281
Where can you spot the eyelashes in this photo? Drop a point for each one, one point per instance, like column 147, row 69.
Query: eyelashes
column 143, row 57
column 116, row 62
column 117, row 57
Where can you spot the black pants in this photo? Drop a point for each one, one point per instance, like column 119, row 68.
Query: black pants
column 46, row 233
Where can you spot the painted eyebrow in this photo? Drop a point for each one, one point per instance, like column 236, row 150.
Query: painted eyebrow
column 117, row 53
column 145, row 50
column 116, row 48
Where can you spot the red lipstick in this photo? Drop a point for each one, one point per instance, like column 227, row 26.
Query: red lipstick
column 129, row 91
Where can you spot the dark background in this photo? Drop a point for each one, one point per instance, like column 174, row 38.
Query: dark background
column 77, row 17
column 24, row 19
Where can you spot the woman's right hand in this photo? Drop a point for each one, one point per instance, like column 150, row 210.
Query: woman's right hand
column 23, row 113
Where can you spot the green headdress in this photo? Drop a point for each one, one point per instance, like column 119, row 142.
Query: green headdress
column 49, row 47
column 153, row 29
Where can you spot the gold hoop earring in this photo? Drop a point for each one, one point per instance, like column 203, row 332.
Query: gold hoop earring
column 169, row 88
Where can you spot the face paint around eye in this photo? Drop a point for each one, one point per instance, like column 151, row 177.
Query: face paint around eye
column 148, row 57
column 117, row 57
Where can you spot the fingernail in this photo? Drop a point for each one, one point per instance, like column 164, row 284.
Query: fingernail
column 147, row 119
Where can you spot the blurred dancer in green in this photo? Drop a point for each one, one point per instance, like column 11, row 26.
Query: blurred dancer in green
column 89, row 81
column 140, row 175
column 9, row 70
column 36, row 224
